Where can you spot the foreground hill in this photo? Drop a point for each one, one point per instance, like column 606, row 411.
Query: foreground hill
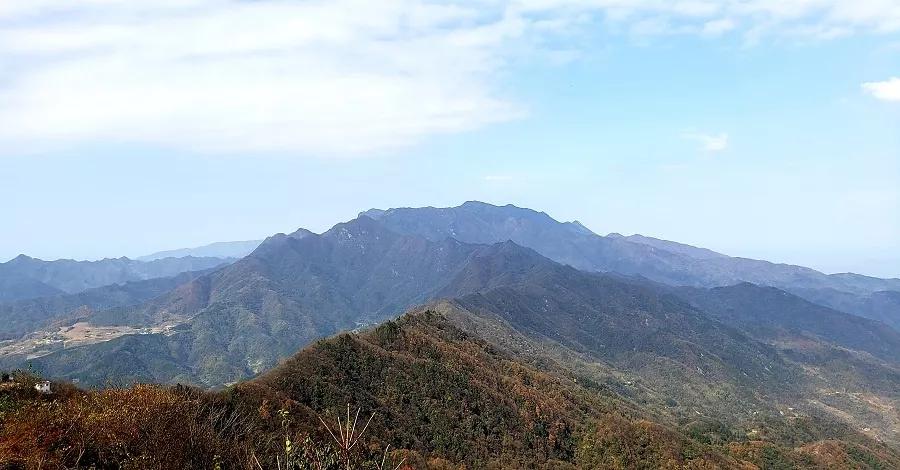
column 649, row 345
column 24, row 277
column 439, row 396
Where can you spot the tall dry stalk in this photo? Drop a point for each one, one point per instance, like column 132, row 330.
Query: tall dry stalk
column 347, row 438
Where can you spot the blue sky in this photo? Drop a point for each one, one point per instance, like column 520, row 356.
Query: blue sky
column 757, row 128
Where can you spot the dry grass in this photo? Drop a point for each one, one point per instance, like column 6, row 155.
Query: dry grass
column 157, row 427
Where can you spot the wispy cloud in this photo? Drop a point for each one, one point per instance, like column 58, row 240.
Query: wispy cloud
column 888, row 90
column 335, row 77
column 341, row 77
column 718, row 27
column 497, row 178
column 709, row 142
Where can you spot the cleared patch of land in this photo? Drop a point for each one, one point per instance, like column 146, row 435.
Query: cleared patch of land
column 41, row 343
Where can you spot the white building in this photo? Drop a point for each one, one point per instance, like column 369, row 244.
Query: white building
column 43, row 387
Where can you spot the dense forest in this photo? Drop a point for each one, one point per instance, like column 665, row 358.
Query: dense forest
column 418, row 392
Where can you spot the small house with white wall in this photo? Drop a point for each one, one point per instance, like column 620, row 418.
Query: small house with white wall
column 43, row 387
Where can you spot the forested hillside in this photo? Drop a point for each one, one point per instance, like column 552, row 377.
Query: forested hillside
column 438, row 396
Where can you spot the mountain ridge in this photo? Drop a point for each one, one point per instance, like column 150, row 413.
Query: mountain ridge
column 71, row 276
column 637, row 255
column 233, row 249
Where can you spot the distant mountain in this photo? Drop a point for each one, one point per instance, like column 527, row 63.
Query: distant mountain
column 673, row 247
column 778, row 316
column 659, row 260
column 14, row 287
column 292, row 290
column 213, row 250
column 296, row 288
column 883, row 306
column 568, row 243
column 20, row 317
column 24, row 277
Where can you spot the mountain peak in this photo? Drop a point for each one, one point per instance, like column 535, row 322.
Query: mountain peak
column 300, row 233
column 488, row 207
column 373, row 213
column 578, row 226
column 360, row 227
column 479, row 204
column 506, row 246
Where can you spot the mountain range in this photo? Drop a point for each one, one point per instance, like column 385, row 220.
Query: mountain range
column 692, row 340
column 223, row 250
column 659, row 260
column 24, row 277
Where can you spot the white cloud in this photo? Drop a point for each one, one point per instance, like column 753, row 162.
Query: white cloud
column 326, row 77
column 320, row 77
column 717, row 27
column 808, row 18
column 709, row 142
column 888, row 90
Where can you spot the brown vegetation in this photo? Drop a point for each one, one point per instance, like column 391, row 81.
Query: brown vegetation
column 428, row 396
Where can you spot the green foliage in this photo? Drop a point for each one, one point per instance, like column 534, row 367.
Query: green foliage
column 386, row 333
column 712, row 432
column 864, row 458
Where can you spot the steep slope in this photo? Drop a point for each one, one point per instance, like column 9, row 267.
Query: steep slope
column 437, row 390
column 634, row 330
column 75, row 276
column 443, row 392
column 234, row 250
column 290, row 291
column 634, row 337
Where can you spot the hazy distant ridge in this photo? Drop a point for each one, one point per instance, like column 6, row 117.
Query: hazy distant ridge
column 238, row 249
